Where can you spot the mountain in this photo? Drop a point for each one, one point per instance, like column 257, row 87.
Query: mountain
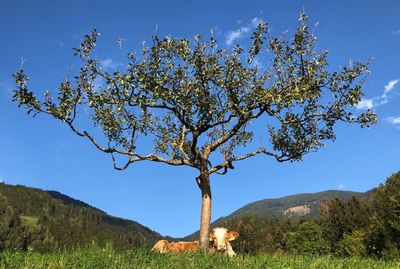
column 264, row 212
column 46, row 220
column 298, row 204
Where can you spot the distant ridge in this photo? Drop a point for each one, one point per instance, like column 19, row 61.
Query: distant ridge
column 277, row 206
column 303, row 205
column 71, row 201
column 68, row 222
column 49, row 220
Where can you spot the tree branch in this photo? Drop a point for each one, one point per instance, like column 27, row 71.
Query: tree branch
column 242, row 121
column 133, row 156
column 183, row 139
column 228, row 163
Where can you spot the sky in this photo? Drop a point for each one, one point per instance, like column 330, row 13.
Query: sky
column 43, row 153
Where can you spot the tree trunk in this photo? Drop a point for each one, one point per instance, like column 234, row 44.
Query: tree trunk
column 204, row 184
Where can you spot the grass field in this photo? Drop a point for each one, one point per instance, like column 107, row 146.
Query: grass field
column 96, row 257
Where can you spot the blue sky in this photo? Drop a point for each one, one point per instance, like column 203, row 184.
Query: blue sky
column 43, row 153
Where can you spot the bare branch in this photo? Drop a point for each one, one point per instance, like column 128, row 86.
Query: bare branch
column 215, row 124
column 115, row 163
column 183, row 139
column 228, row 163
column 133, row 156
column 241, row 122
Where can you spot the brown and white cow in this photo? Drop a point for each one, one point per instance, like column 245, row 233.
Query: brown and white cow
column 219, row 242
column 163, row 246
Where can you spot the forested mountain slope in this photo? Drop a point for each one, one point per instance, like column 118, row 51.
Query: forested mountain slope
column 47, row 220
column 298, row 204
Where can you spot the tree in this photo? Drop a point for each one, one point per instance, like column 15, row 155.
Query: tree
column 339, row 218
column 386, row 204
column 353, row 244
column 384, row 231
column 12, row 233
column 307, row 239
column 197, row 101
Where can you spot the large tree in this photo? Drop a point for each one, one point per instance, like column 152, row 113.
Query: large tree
column 198, row 101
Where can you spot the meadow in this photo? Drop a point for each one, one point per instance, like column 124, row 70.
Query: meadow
column 107, row 257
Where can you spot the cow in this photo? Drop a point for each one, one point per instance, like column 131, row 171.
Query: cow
column 219, row 242
column 163, row 246
column 220, row 238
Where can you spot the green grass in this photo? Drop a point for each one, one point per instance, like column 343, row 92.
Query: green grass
column 107, row 257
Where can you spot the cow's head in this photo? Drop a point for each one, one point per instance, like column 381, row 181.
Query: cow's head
column 219, row 237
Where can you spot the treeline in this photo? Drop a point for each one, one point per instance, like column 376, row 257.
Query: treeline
column 46, row 221
column 365, row 227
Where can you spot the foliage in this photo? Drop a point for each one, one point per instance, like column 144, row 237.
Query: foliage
column 32, row 219
column 369, row 226
column 308, row 240
column 384, row 231
column 380, row 242
column 386, row 204
column 260, row 234
column 12, row 233
column 359, row 226
column 353, row 244
column 339, row 218
column 107, row 257
column 277, row 206
column 197, row 102
column 194, row 98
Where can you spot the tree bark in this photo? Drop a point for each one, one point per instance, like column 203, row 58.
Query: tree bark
column 204, row 184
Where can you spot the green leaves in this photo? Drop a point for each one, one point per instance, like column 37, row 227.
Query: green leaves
column 307, row 240
column 192, row 97
column 257, row 39
column 87, row 46
column 23, row 96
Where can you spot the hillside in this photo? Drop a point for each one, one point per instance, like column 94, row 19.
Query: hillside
column 44, row 220
column 298, row 204
column 33, row 219
column 267, row 212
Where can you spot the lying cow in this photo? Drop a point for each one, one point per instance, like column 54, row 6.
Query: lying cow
column 163, row 246
column 219, row 242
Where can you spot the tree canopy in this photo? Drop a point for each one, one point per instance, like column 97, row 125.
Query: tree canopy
column 196, row 101
column 195, row 98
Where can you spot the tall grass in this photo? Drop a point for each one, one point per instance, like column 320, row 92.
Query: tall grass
column 108, row 257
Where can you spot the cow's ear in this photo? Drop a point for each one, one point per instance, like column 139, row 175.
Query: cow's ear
column 211, row 236
column 232, row 235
